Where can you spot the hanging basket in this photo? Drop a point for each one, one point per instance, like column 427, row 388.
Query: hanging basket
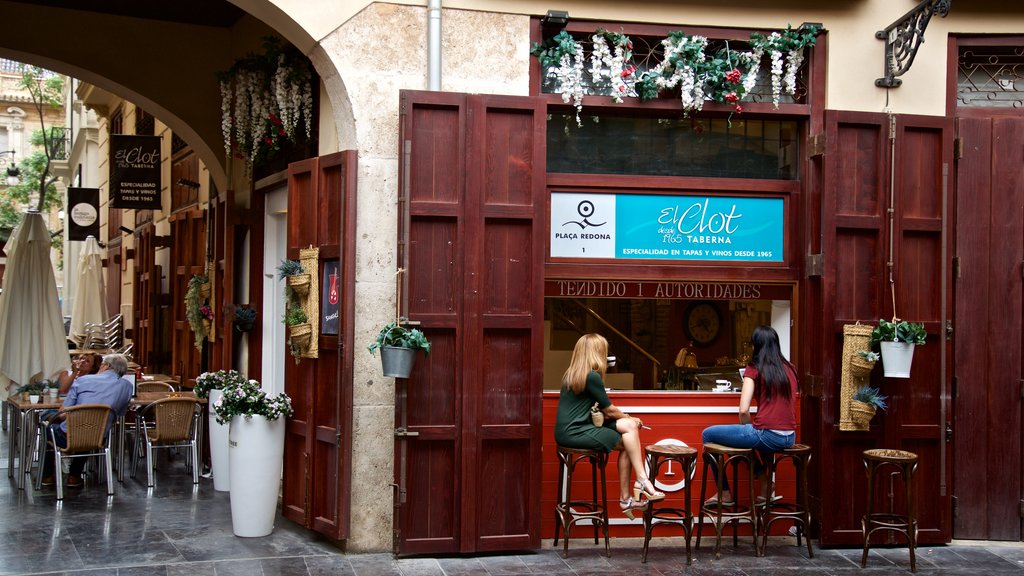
column 861, row 413
column 896, row 359
column 204, row 290
column 300, row 284
column 860, row 367
column 300, row 335
column 397, row 362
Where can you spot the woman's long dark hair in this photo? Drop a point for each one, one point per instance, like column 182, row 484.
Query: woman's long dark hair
column 770, row 364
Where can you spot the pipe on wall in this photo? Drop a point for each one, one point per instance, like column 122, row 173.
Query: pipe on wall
column 434, row 44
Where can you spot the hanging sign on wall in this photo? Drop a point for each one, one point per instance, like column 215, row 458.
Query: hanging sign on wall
column 83, row 213
column 134, row 171
column 634, row 226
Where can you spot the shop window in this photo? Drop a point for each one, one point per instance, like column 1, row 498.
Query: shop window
column 673, row 146
column 990, row 76
column 145, row 123
column 117, row 121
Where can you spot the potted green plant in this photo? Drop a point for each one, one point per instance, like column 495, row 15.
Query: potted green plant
column 245, row 318
column 862, row 362
column 866, row 401
column 193, row 308
column 398, row 346
column 896, row 340
column 296, row 277
column 33, row 390
column 300, row 331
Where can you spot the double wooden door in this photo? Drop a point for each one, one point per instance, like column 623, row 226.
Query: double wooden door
column 468, row 421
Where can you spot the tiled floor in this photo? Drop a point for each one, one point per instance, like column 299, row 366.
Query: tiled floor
column 174, row 529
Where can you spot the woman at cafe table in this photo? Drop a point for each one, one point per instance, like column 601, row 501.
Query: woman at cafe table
column 106, row 387
column 772, row 380
column 87, row 363
column 582, row 386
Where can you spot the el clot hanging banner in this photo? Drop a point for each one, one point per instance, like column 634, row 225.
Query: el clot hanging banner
column 83, row 213
column 134, row 171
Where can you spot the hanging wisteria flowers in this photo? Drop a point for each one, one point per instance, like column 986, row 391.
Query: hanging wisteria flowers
column 263, row 99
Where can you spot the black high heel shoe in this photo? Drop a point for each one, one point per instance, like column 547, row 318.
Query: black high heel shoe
column 644, row 486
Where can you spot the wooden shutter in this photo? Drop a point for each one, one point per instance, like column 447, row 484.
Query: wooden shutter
column 472, row 169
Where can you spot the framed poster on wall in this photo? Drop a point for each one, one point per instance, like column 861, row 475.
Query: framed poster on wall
column 329, row 308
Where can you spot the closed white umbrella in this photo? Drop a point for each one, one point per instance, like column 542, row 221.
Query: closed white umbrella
column 32, row 343
column 90, row 302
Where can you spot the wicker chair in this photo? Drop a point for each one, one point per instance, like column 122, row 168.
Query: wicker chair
column 154, row 387
column 174, row 426
column 87, row 426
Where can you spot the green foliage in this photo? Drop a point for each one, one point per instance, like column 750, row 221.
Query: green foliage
column 33, row 387
column 871, row 395
column 289, row 268
column 295, row 315
column 193, row 302
column 248, row 399
column 788, row 40
column 219, row 380
column 400, row 337
column 869, row 355
column 550, row 51
column 899, row 331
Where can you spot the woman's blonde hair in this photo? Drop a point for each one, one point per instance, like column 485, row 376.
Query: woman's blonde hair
column 590, row 353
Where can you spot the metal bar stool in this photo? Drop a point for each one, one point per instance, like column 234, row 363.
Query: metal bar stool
column 905, row 463
column 725, row 457
column 569, row 511
column 657, row 456
column 796, row 510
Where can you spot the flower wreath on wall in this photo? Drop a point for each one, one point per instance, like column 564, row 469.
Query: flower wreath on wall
column 725, row 76
column 265, row 100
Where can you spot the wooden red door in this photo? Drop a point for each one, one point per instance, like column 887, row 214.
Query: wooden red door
column 468, row 448
column 318, row 441
column 988, row 328
column 859, row 240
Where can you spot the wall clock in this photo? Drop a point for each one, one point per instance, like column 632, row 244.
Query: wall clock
column 703, row 322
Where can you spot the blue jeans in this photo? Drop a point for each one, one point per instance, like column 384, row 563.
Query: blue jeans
column 77, row 464
column 765, row 442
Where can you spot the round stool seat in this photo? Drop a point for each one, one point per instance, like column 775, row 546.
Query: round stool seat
column 726, row 450
column 796, row 449
column 889, row 455
column 670, row 450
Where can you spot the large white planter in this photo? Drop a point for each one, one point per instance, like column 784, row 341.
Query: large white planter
column 896, row 359
column 256, row 449
column 218, row 447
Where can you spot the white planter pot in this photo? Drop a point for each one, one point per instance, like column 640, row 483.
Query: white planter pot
column 33, row 398
column 256, row 450
column 896, row 359
column 218, row 447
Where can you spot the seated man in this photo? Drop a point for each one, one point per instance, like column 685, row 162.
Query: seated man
column 105, row 387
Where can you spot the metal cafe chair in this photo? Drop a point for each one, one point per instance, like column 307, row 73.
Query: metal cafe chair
column 175, row 426
column 87, row 427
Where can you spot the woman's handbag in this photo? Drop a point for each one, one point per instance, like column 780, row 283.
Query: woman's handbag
column 596, row 416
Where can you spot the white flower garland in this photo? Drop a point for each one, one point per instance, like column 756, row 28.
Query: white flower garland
column 569, row 75
column 691, row 91
column 794, row 60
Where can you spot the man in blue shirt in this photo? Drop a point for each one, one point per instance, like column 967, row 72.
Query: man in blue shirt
column 105, row 387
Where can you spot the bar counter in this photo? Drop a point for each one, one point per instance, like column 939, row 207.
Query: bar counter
column 674, row 418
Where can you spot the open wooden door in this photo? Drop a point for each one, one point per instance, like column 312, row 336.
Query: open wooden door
column 857, row 235
column 318, row 441
column 468, row 421
column 988, row 328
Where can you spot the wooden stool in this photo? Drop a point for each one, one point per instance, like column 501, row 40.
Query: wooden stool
column 724, row 457
column 569, row 511
column 797, row 510
column 904, row 463
column 686, row 457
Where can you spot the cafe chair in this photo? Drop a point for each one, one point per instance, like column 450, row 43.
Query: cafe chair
column 175, row 425
column 87, row 426
column 154, row 387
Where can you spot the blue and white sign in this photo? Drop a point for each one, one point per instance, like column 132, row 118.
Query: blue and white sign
column 714, row 228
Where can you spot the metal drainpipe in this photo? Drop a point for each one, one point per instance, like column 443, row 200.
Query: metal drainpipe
column 434, row 44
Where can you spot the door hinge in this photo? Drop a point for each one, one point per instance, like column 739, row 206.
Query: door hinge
column 949, row 329
column 949, row 432
column 814, row 265
column 956, row 267
column 956, row 508
column 958, row 148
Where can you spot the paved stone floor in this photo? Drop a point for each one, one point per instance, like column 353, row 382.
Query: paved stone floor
column 175, row 529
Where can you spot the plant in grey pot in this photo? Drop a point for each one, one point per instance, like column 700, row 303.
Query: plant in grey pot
column 896, row 340
column 398, row 346
column 865, row 402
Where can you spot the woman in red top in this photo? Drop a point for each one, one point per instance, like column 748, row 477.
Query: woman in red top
column 772, row 379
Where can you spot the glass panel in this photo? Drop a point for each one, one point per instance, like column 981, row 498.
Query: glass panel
column 991, row 76
column 719, row 148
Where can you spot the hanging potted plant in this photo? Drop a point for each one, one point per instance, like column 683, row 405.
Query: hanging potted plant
column 193, row 303
column 255, row 453
column 896, row 340
column 245, row 318
column 398, row 346
column 300, row 331
column 862, row 363
column 296, row 276
column 866, row 401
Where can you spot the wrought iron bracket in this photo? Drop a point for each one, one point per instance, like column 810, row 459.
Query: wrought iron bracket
column 904, row 36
